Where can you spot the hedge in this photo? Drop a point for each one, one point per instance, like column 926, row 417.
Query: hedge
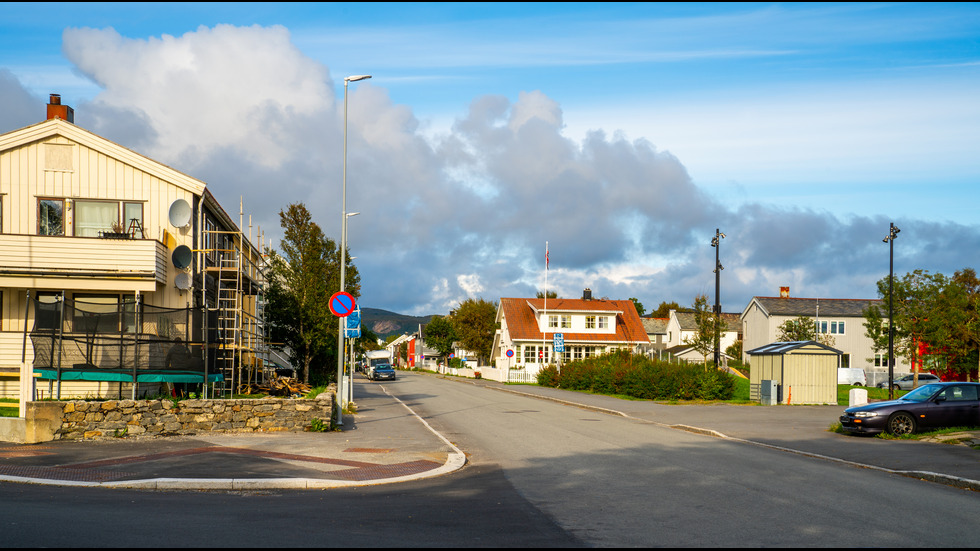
column 627, row 374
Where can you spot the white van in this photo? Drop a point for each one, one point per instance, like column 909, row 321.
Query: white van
column 851, row 376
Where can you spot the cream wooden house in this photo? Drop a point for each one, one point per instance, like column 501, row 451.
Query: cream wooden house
column 89, row 220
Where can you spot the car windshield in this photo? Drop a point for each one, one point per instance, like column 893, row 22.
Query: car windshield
column 922, row 393
column 383, row 366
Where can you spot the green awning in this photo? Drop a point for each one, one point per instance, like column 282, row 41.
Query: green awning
column 119, row 375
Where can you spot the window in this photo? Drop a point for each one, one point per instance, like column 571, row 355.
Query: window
column 131, row 212
column 47, row 311
column 566, row 322
column 553, row 321
column 92, row 217
column 845, row 360
column 530, row 354
column 832, row 327
column 96, row 313
column 961, row 394
column 50, row 217
column 603, row 322
column 881, row 360
column 590, row 322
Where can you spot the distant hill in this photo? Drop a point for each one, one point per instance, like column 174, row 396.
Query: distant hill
column 384, row 323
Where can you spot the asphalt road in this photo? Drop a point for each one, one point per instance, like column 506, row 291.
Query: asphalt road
column 539, row 474
column 613, row 481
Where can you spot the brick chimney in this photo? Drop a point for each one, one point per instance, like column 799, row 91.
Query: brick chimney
column 58, row 111
column 784, row 292
column 587, row 294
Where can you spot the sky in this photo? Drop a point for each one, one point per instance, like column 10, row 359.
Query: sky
column 620, row 137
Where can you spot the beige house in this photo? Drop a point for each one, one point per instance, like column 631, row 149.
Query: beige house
column 842, row 320
column 113, row 242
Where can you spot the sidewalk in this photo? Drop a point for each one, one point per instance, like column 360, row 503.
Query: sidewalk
column 388, row 443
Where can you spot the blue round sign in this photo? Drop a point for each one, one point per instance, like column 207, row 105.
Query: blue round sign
column 342, row 304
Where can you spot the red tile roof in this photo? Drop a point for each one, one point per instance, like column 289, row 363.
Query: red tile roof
column 522, row 324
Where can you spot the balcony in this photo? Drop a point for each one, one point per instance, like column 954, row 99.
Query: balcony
column 51, row 262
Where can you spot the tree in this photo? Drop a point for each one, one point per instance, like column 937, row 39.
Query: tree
column 801, row 328
column 302, row 278
column 551, row 294
column 734, row 351
column 704, row 338
column 475, row 325
column 639, row 306
column 440, row 335
column 664, row 309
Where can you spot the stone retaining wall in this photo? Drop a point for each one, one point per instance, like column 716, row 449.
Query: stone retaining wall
column 118, row 418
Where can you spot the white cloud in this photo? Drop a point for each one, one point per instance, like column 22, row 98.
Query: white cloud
column 466, row 211
column 221, row 87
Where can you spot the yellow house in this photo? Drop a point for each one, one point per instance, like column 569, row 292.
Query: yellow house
column 119, row 258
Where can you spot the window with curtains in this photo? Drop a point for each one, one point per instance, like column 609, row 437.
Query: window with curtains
column 92, row 217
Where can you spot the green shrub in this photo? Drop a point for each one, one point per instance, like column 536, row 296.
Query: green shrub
column 626, row 374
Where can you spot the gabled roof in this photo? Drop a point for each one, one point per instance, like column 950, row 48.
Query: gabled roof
column 778, row 348
column 58, row 127
column 824, row 307
column 688, row 322
column 522, row 323
column 655, row 326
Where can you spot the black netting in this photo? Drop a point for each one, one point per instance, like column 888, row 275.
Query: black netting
column 126, row 336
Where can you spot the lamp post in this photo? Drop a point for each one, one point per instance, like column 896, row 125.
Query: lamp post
column 890, row 239
column 716, row 243
column 341, row 395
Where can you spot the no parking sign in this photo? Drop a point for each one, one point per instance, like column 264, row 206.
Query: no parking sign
column 342, row 304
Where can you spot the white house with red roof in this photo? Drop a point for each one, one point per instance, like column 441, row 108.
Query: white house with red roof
column 582, row 328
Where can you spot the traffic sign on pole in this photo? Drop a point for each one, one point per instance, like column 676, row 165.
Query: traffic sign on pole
column 342, row 304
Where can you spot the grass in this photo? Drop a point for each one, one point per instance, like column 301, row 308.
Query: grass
column 9, row 407
column 874, row 393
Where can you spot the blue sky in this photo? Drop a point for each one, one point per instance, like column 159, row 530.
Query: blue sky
column 621, row 134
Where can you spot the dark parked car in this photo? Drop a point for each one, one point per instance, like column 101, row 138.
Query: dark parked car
column 382, row 371
column 905, row 383
column 934, row 405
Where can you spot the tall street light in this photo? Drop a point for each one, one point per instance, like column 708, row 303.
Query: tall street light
column 716, row 243
column 341, row 395
column 890, row 239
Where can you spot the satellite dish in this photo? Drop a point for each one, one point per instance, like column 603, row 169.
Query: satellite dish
column 182, row 257
column 180, row 213
column 183, row 281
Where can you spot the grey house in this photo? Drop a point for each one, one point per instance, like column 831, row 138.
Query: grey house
column 841, row 319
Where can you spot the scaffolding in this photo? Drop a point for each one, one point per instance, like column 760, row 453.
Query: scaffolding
column 232, row 282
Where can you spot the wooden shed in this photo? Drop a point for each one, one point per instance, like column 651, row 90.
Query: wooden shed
column 805, row 372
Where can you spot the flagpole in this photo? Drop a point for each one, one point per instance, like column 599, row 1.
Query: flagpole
column 544, row 333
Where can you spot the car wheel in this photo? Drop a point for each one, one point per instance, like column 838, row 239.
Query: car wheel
column 896, row 387
column 901, row 424
column 858, row 384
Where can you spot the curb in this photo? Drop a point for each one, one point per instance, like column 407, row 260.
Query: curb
column 455, row 461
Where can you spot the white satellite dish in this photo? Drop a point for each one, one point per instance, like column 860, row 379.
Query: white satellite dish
column 180, row 213
column 183, row 281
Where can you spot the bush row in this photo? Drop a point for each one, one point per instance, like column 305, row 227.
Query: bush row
column 640, row 377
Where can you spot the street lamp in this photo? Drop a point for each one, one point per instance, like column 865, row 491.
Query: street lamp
column 341, row 396
column 716, row 243
column 890, row 239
